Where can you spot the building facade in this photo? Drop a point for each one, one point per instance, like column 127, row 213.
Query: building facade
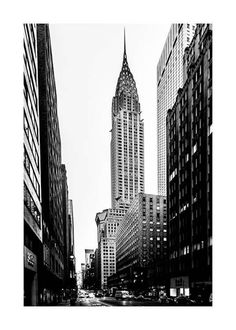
column 52, row 275
column 189, row 172
column 89, row 280
column 32, row 168
column 88, row 253
column 169, row 80
column 79, row 279
column 107, row 223
column 82, row 274
column 65, row 196
column 72, row 259
column 127, row 140
column 141, row 244
column 97, row 276
column 68, row 230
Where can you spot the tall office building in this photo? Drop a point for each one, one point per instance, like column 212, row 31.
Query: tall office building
column 127, row 168
column 72, row 259
column 65, row 224
column 141, row 244
column 107, row 223
column 32, row 172
column 189, row 172
column 89, row 279
column 88, row 254
column 71, row 227
column 68, row 230
column 127, row 141
column 169, row 80
column 53, row 235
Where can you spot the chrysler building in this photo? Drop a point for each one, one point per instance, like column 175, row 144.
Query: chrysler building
column 127, row 141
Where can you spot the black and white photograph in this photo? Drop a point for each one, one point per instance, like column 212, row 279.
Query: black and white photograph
column 117, row 144
column 117, row 165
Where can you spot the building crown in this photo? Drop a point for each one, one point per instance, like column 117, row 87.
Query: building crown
column 126, row 83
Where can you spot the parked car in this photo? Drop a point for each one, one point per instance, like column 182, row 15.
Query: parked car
column 122, row 294
column 210, row 299
column 140, row 297
column 184, row 301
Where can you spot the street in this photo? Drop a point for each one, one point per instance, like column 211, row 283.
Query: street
column 110, row 301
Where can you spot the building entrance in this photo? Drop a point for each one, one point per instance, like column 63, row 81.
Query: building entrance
column 29, row 292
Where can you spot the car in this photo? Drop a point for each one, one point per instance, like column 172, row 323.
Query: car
column 164, row 300
column 107, row 294
column 171, row 301
column 150, row 295
column 184, row 300
column 81, row 295
column 131, row 297
column 140, row 297
column 91, row 295
column 210, row 299
column 99, row 294
column 123, row 294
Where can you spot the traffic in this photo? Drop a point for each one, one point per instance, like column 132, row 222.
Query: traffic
column 127, row 298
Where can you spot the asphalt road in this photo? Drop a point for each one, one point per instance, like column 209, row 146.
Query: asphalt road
column 110, row 301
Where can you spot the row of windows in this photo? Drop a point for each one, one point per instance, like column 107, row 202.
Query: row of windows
column 30, row 47
column 31, row 141
column 30, row 78
column 31, row 108
column 30, row 204
column 30, row 171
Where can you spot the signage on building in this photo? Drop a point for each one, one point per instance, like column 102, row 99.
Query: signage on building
column 30, row 259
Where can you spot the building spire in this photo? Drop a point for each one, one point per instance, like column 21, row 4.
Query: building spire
column 126, row 81
column 124, row 42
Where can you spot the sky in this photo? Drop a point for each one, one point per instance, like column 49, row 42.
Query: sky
column 87, row 61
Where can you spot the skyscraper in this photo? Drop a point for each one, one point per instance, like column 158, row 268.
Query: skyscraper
column 72, row 259
column 65, row 223
column 88, row 253
column 127, row 168
column 107, row 223
column 127, row 142
column 52, row 275
column 32, row 172
column 141, row 244
column 169, row 80
column 189, row 169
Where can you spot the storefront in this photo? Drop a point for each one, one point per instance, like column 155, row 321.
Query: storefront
column 30, row 278
column 179, row 285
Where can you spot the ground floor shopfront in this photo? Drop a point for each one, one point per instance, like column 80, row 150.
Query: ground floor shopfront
column 30, row 278
column 188, row 286
column 51, row 290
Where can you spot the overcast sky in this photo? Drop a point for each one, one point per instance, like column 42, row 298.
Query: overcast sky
column 87, row 62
